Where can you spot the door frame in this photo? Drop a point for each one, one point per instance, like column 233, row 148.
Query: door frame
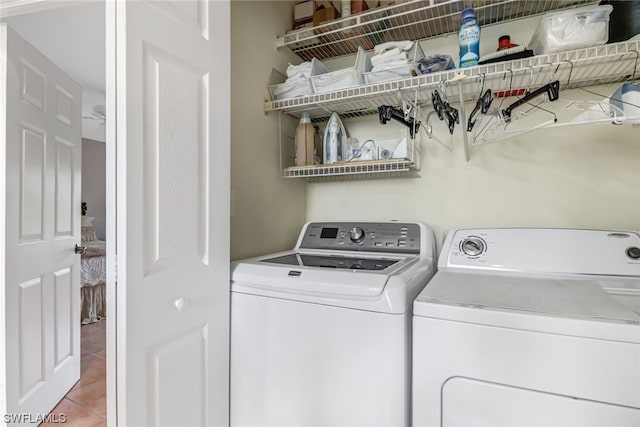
column 23, row 7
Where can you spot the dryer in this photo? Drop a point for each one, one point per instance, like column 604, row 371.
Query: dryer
column 321, row 334
column 530, row 327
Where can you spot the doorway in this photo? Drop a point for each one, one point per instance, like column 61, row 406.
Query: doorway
column 73, row 38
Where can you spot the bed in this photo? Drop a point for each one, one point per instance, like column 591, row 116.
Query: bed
column 93, row 265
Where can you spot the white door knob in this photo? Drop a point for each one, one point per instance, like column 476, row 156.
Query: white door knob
column 179, row 303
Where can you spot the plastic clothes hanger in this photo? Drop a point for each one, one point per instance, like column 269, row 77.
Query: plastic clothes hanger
column 552, row 90
column 444, row 109
column 482, row 104
column 387, row 112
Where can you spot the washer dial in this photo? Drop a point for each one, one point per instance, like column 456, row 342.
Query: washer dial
column 633, row 252
column 356, row 234
column 473, row 246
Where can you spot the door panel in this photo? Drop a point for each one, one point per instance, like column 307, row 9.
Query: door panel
column 63, row 321
column 171, row 370
column 32, row 178
column 172, row 165
column 176, row 168
column 30, row 326
column 42, row 274
column 64, row 187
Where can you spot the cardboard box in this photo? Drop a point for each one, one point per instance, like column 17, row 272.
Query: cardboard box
column 359, row 6
column 325, row 14
column 303, row 11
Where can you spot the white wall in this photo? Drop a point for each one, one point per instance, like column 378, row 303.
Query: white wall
column 586, row 177
column 580, row 177
column 268, row 211
column 94, row 183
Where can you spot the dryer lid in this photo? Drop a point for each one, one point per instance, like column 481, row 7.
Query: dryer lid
column 613, row 301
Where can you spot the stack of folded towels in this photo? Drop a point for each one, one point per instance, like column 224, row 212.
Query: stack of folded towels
column 390, row 55
column 298, row 72
column 297, row 82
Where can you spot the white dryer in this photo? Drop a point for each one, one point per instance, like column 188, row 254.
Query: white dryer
column 321, row 334
column 530, row 327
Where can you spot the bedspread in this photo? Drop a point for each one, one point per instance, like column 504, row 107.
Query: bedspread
column 93, row 265
column 93, row 276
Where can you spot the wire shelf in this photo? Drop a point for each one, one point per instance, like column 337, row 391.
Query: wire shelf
column 411, row 20
column 611, row 63
column 350, row 168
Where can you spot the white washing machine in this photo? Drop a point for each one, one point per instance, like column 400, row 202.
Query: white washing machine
column 530, row 327
column 321, row 334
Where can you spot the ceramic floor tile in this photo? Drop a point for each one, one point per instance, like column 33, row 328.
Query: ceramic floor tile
column 92, row 396
column 73, row 415
column 92, row 369
column 93, row 339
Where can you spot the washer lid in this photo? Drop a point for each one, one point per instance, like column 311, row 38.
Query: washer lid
column 388, row 290
column 331, row 261
column 600, row 299
column 327, row 274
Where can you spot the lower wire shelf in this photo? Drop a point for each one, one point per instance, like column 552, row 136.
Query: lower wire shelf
column 350, row 168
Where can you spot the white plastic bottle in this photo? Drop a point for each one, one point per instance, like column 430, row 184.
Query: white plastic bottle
column 304, row 140
column 469, row 39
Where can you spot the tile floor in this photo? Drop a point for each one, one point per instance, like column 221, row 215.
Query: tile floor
column 86, row 404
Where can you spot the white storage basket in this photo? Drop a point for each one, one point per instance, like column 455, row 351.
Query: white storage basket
column 414, row 55
column 571, row 29
column 279, row 88
column 344, row 78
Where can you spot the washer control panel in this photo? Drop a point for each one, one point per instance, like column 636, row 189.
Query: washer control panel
column 597, row 252
column 473, row 246
column 390, row 237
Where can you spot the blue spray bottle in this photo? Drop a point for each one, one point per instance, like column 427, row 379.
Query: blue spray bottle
column 469, row 39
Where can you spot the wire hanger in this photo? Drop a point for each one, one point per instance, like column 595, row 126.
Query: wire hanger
column 506, row 124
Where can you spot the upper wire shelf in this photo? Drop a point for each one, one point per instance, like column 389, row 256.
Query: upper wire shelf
column 610, row 63
column 410, row 20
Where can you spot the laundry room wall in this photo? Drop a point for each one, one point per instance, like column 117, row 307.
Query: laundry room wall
column 578, row 176
column 585, row 176
column 267, row 211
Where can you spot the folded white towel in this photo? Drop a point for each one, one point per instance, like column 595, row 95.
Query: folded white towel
column 296, row 77
column 402, row 45
column 392, row 55
column 303, row 69
column 337, row 80
column 388, row 66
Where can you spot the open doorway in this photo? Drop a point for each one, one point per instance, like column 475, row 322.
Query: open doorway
column 73, row 38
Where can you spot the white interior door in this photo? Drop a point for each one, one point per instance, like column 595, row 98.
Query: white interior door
column 171, row 157
column 41, row 140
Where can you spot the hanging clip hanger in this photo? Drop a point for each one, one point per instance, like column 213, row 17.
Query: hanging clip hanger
column 444, row 110
column 387, row 112
column 483, row 103
column 551, row 89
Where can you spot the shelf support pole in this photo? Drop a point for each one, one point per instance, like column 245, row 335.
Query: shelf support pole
column 463, row 116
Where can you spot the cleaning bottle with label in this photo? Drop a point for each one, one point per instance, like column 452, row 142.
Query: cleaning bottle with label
column 305, row 137
column 469, row 39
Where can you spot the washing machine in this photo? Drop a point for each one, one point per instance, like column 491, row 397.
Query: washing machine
column 530, row 327
column 321, row 334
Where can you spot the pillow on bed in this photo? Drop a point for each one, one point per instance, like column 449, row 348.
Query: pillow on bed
column 88, row 234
